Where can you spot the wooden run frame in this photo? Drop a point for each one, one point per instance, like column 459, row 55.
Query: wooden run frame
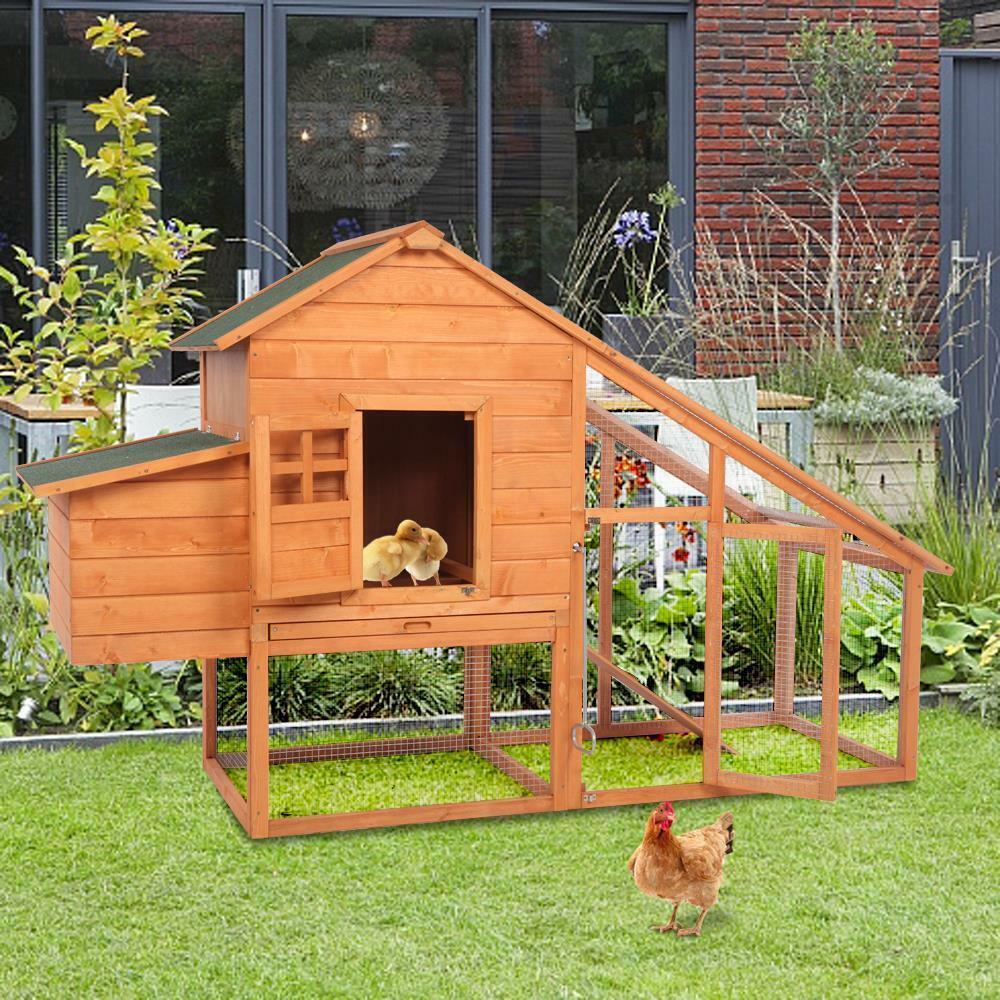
column 252, row 812
column 792, row 533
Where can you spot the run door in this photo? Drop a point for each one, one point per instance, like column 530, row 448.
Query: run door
column 779, row 732
column 306, row 505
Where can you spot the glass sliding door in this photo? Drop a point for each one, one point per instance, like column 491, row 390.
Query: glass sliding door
column 380, row 127
column 15, row 145
column 579, row 108
column 194, row 64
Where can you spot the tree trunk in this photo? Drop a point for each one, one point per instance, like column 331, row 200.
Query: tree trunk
column 838, row 327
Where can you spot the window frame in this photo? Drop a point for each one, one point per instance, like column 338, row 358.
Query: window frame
column 478, row 409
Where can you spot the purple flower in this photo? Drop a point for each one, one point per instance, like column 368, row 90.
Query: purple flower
column 346, row 229
column 632, row 227
column 172, row 226
column 541, row 28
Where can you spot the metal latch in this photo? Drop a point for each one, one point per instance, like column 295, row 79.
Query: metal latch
column 584, row 727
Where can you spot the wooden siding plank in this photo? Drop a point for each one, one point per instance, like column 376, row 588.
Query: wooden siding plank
column 309, row 534
column 156, row 536
column 236, row 467
column 442, row 285
column 159, row 612
column 194, row 574
column 517, row 471
column 531, row 541
column 309, row 564
column 527, row 397
column 316, row 359
column 413, row 323
column 140, row 646
column 216, row 498
column 531, row 576
column 528, row 506
column 528, row 434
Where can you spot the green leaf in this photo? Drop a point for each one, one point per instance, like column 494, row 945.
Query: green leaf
column 936, row 674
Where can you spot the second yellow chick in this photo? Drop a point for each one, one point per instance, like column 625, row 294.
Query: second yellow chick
column 428, row 563
column 387, row 556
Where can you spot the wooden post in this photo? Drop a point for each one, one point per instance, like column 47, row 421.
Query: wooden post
column 784, row 632
column 568, row 656
column 909, row 671
column 257, row 732
column 476, row 707
column 605, row 579
column 713, row 614
column 567, row 681
column 832, row 583
column 209, row 709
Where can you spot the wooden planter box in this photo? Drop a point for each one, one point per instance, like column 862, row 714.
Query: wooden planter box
column 889, row 471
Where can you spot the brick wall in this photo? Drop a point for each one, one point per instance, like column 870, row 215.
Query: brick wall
column 740, row 78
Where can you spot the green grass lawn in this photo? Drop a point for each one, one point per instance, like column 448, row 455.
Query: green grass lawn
column 306, row 789
column 122, row 874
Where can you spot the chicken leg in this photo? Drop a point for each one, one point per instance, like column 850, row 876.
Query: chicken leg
column 672, row 926
column 693, row 931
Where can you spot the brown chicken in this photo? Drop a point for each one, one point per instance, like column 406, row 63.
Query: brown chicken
column 682, row 869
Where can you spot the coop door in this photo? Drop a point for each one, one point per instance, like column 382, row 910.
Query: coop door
column 778, row 704
column 306, row 505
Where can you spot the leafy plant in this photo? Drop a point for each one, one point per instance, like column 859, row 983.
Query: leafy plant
column 131, row 696
column 32, row 662
column 106, row 308
column 644, row 254
column 660, row 637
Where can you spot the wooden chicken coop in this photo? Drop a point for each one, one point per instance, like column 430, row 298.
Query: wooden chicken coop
column 395, row 377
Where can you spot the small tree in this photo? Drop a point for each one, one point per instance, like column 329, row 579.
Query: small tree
column 831, row 130
column 107, row 307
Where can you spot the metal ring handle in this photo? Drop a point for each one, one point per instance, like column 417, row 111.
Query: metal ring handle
column 584, row 727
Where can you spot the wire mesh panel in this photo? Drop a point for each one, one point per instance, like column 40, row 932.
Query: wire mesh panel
column 352, row 732
column 773, row 659
column 870, row 643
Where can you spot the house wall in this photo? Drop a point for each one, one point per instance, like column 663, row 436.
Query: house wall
column 741, row 79
column 153, row 568
column 421, row 324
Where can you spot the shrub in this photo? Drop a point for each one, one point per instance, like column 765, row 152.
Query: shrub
column 388, row 684
column 299, row 688
column 521, row 676
column 870, row 397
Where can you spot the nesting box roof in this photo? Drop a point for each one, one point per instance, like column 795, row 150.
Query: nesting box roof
column 125, row 461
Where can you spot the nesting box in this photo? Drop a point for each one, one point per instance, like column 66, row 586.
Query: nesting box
column 395, row 377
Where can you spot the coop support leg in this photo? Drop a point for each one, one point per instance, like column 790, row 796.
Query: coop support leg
column 784, row 631
column 476, row 709
column 712, row 724
column 257, row 736
column 567, row 682
column 909, row 671
column 832, row 586
column 605, row 579
column 209, row 710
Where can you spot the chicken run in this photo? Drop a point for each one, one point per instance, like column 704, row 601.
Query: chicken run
column 585, row 505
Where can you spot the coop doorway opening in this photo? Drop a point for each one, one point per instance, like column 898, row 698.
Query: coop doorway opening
column 420, row 465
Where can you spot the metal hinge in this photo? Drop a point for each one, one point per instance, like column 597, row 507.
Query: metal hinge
column 590, row 796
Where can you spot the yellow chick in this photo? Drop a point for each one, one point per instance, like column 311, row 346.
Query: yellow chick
column 428, row 563
column 387, row 556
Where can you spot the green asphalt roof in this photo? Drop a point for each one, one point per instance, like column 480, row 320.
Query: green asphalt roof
column 122, row 456
column 209, row 332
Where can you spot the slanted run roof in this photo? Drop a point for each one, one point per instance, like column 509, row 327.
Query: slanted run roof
column 209, row 332
column 125, row 461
